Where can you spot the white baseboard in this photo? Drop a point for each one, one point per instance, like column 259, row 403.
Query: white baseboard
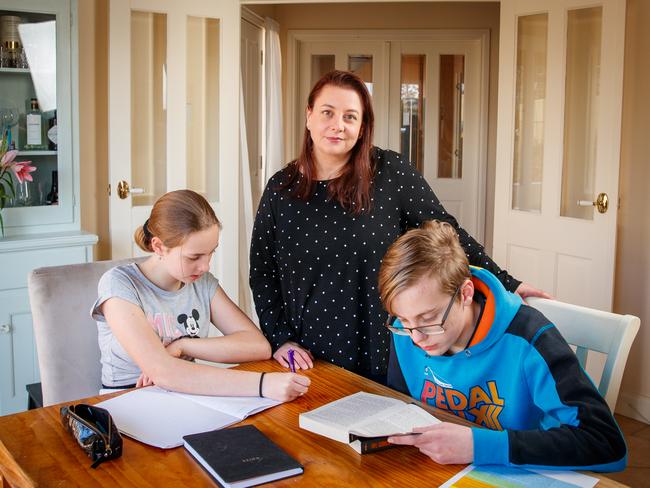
column 634, row 406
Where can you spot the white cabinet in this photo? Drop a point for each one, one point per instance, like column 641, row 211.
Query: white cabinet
column 39, row 229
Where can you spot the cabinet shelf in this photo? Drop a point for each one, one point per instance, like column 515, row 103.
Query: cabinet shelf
column 15, row 70
column 37, row 153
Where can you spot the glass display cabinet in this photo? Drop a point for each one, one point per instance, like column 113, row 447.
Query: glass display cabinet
column 39, row 118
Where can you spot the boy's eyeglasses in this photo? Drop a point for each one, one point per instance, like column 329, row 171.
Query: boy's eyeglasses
column 433, row 329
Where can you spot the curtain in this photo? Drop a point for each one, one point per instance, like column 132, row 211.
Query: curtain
column 274, row 153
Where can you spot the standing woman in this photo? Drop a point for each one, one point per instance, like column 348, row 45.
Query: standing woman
column 322, row 227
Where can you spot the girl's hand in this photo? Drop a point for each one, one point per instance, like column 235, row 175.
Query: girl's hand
column 175, row 349
column 302, row 357
column 143, row 380
column 284, row 387
column 445, row 443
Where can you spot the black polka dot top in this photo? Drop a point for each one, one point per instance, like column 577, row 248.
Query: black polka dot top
column 314, row 266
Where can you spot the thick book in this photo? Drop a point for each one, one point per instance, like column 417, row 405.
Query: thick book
column 161, row 418
column 241, row 456
column 364, row 421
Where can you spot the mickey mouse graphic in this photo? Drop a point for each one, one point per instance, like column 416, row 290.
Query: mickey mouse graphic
column 191, row 323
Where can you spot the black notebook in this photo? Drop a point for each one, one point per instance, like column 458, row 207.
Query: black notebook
column 241, row 456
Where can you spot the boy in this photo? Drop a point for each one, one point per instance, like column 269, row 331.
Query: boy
column 462, row 343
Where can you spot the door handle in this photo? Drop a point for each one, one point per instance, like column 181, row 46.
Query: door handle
column 5, row 328
column 601, row 203
column 123, row 190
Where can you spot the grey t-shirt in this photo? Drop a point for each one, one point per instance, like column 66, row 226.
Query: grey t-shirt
column 171, row 314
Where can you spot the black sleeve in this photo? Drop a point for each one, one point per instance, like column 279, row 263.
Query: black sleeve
column 265, row 280
column 395, row 377
column 419, row 203
column 585, row 435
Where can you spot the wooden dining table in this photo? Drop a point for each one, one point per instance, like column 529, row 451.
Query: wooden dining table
column 35, row 449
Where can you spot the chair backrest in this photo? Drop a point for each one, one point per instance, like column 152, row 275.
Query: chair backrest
column 594, row 330
column 64, row 332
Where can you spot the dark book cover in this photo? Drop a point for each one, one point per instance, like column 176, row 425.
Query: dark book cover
column 241, row 456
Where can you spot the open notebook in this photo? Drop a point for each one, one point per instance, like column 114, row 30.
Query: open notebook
column 161, row 418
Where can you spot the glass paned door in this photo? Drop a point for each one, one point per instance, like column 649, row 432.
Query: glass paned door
column 438, row 111
column 170, row 122
column 558, row 145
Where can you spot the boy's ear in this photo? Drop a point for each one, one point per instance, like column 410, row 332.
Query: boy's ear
column 467, row 291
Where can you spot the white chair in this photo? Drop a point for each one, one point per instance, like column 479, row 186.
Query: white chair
column 66, row 335
column 594, row 330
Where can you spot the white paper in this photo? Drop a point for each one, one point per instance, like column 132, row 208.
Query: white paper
column 161, row 418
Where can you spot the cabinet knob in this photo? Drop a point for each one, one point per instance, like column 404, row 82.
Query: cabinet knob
column 123, row 190
column 5, row 328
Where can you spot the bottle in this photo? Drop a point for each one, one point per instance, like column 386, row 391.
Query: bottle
column 53, row 196
column 52, row 133
column 34, row 123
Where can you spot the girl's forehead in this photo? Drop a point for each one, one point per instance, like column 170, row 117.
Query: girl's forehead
column 202, row 241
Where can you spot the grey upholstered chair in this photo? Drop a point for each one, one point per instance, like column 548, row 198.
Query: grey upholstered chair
column 65, row 334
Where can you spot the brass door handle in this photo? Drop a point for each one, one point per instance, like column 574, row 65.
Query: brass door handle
column 601, row 203
column 123, row 190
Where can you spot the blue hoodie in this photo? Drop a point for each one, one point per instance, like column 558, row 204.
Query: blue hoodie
column 521, row 383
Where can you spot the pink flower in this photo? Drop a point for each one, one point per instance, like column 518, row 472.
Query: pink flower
column 8, row 158
column 22, row 170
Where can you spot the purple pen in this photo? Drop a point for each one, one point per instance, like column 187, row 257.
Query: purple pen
column 292, row 364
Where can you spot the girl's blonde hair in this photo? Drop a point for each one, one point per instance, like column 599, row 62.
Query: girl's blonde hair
column 432, row 250
column 175, row 216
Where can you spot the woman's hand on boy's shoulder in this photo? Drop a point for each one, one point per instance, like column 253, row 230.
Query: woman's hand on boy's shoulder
column 284, row 387
column 525, row 290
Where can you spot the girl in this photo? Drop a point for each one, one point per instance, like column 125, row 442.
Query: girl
column 153, row 315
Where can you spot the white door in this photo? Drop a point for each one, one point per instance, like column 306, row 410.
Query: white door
column 368, row 59
column 438, row 120
column 174, row 115
column 558, row 139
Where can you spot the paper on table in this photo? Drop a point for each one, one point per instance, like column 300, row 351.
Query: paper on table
column 515, row 477
column 161, row 418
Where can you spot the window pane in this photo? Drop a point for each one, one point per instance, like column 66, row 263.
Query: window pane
column 412, row 108
column 203, row 106
column 450, row 137
column 148, row 105
column 530, row 98
column 581, row 96
column 361, row 65
column 321, row 64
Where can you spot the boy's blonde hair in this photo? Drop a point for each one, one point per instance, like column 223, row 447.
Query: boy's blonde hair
column 432, row 250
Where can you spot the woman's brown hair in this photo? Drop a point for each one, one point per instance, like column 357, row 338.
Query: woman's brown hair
column 432, row 250
column 352, row 188
column 174, row 217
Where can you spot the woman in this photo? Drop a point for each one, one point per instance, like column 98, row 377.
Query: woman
column 154, row 314
column 324, row 223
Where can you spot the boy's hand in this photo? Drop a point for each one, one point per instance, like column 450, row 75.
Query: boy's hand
column 284, row 387
column 302, row 357
column 445, row 443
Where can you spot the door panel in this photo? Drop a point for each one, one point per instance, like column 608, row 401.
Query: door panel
column 173, row 116
column 558, row 140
